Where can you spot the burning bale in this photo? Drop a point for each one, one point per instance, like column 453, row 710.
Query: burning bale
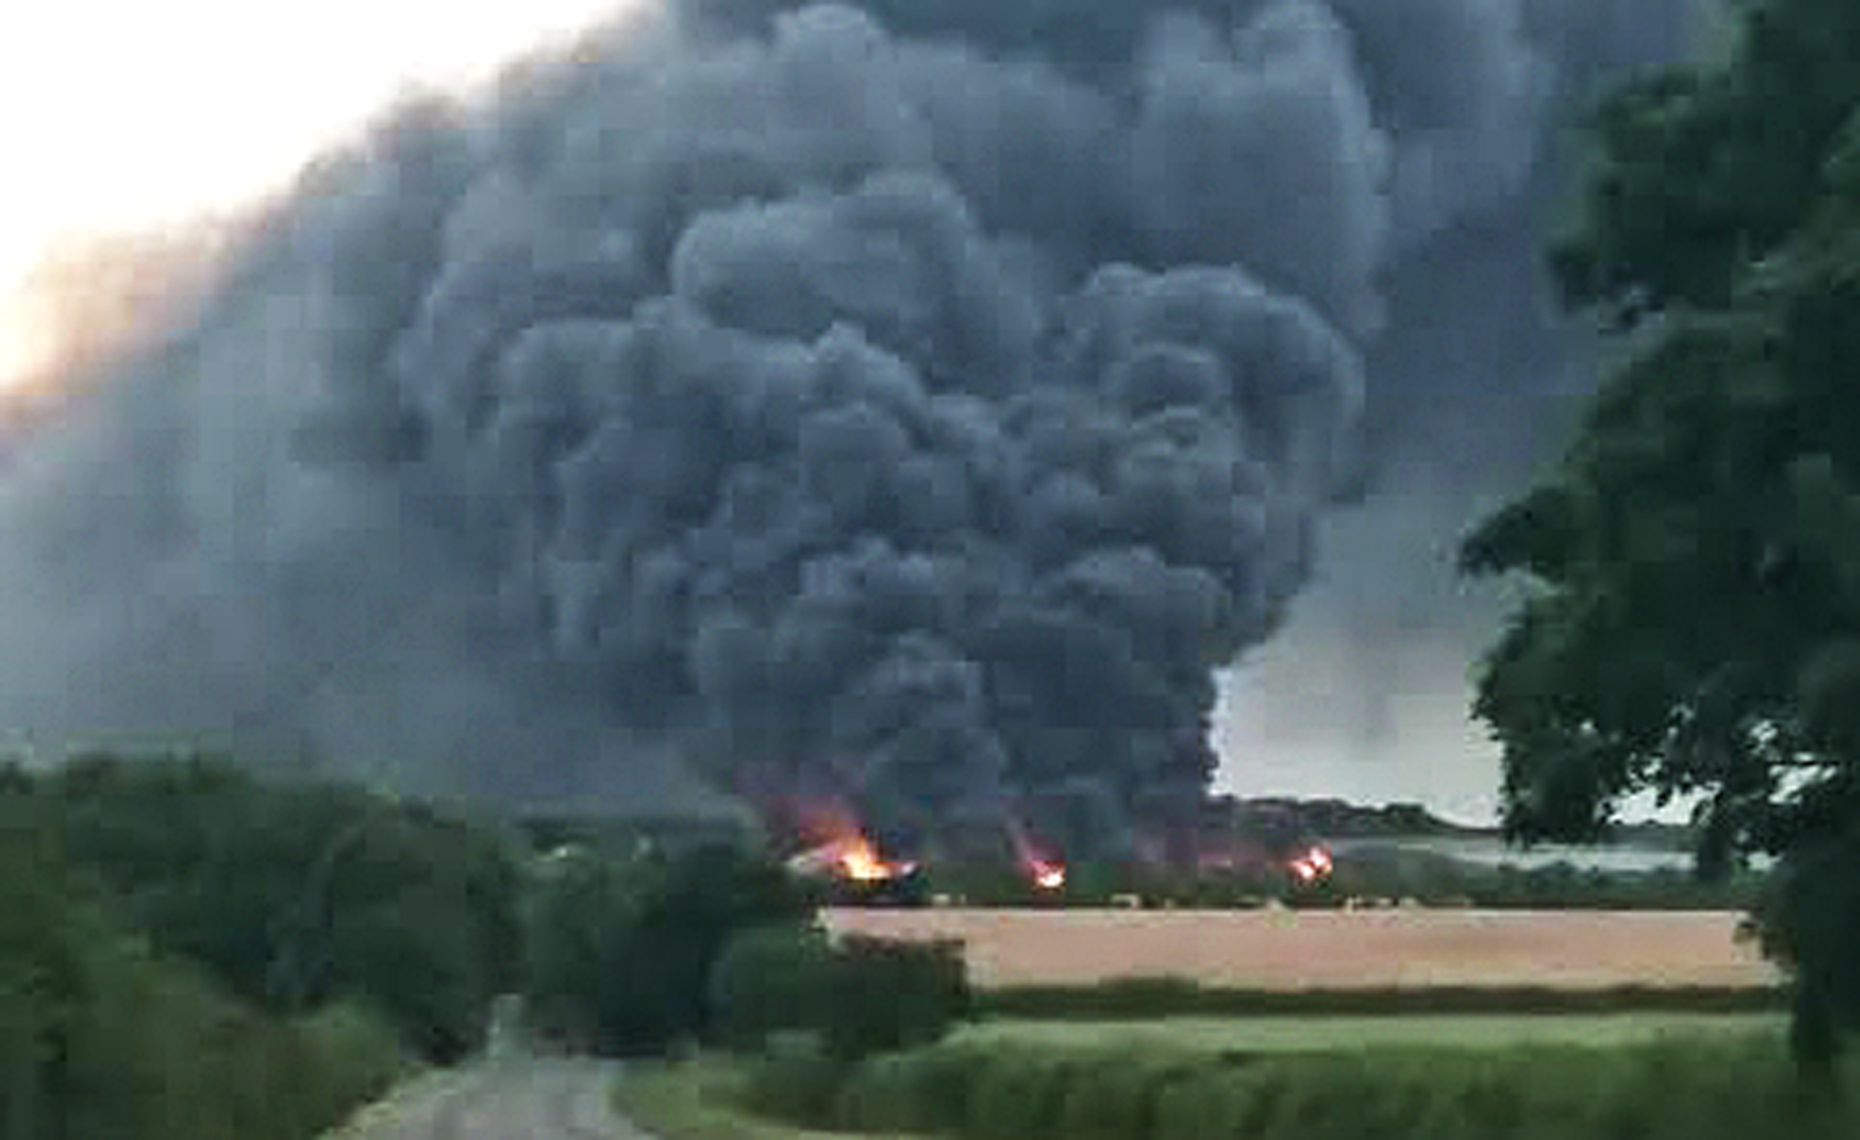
column 854, row 859
column 853, row 873
column 839, row 854
column 1314, row 866
column 1045, row 872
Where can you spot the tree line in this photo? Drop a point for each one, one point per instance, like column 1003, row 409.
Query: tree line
column 187, row 949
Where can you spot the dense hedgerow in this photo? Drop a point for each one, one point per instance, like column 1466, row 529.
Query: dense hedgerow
column 795, row 1080
column 926, row 1090
column 883, row 995
column 1113, row 1097
column 855, row 996
column 1148, row 998
column 1671, row 1090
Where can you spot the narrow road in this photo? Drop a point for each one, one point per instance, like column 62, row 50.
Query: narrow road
column 506, row 1099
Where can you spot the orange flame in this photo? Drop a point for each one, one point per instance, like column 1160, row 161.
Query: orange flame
column 860, row 861
column 1313, row 865
column 1046, row 874
column 843, row 849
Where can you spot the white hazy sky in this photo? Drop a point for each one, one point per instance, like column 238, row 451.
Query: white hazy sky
column 125, row 115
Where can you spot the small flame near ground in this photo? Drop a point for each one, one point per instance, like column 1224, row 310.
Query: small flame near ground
column 1048, row 876
column 1044, row 871
column 1313, row 866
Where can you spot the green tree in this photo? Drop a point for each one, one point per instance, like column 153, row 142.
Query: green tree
column 1693, row 626
column 294, row 895
column 768, row 980
column 575, row 909
column 858, row 996
column 100, row 1038
column 655, row 991
column 621, row 954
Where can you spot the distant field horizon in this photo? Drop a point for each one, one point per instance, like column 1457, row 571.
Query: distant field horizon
column 1494, row 852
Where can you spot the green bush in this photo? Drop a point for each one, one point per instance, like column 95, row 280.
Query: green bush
column 858, row 996
column 926, row 1091
column 883, row 995
column 1233, row 1098
column 1020, row 1094
column 795, row 1081
column 768, row 979
column 1349, row 1096
column 356, row 1054
column 1118, row 1096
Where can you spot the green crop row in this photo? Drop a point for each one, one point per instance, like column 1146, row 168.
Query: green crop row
column 1683, row 1090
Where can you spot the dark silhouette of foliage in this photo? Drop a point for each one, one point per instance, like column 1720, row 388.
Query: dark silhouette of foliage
column 1695, row 624
column 296, row 894
column 856, row 996
column 100, row 1038
column 621, row 953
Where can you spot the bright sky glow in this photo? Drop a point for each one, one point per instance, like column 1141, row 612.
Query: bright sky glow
column 124, row 115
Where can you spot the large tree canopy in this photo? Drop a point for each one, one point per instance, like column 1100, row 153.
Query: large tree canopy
column 1694, row 623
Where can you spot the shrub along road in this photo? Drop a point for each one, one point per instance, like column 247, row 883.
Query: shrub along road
column 514, row 1099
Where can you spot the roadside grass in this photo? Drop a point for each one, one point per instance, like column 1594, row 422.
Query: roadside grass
column 699, row 1099
column 1280, row 1034
column 409, row 1096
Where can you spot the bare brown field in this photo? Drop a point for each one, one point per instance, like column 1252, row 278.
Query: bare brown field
column 1292, row 950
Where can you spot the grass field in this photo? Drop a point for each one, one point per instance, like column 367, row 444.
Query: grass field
column 1332, row 1034
column 1313, row 949
column 1732, row 1083
column 1579, row 1074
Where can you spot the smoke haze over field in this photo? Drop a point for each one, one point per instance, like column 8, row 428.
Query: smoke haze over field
column 920, row 403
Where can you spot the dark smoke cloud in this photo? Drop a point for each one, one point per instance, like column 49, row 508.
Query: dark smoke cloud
column 1475, row 382
column 917, row 404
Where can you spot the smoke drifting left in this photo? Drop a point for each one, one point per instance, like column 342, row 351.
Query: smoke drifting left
column 95, row 302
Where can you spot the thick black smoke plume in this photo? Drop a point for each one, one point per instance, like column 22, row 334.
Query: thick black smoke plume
column 915, row 404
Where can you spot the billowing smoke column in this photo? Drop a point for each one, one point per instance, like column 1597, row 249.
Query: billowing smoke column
column 914, row 406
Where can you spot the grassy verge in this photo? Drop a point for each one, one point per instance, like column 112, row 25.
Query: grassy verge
column 1329, row 1034
column 417, row 1088
column 699, row 1099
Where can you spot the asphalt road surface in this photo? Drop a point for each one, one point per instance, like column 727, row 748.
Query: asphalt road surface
column 503, row 1099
